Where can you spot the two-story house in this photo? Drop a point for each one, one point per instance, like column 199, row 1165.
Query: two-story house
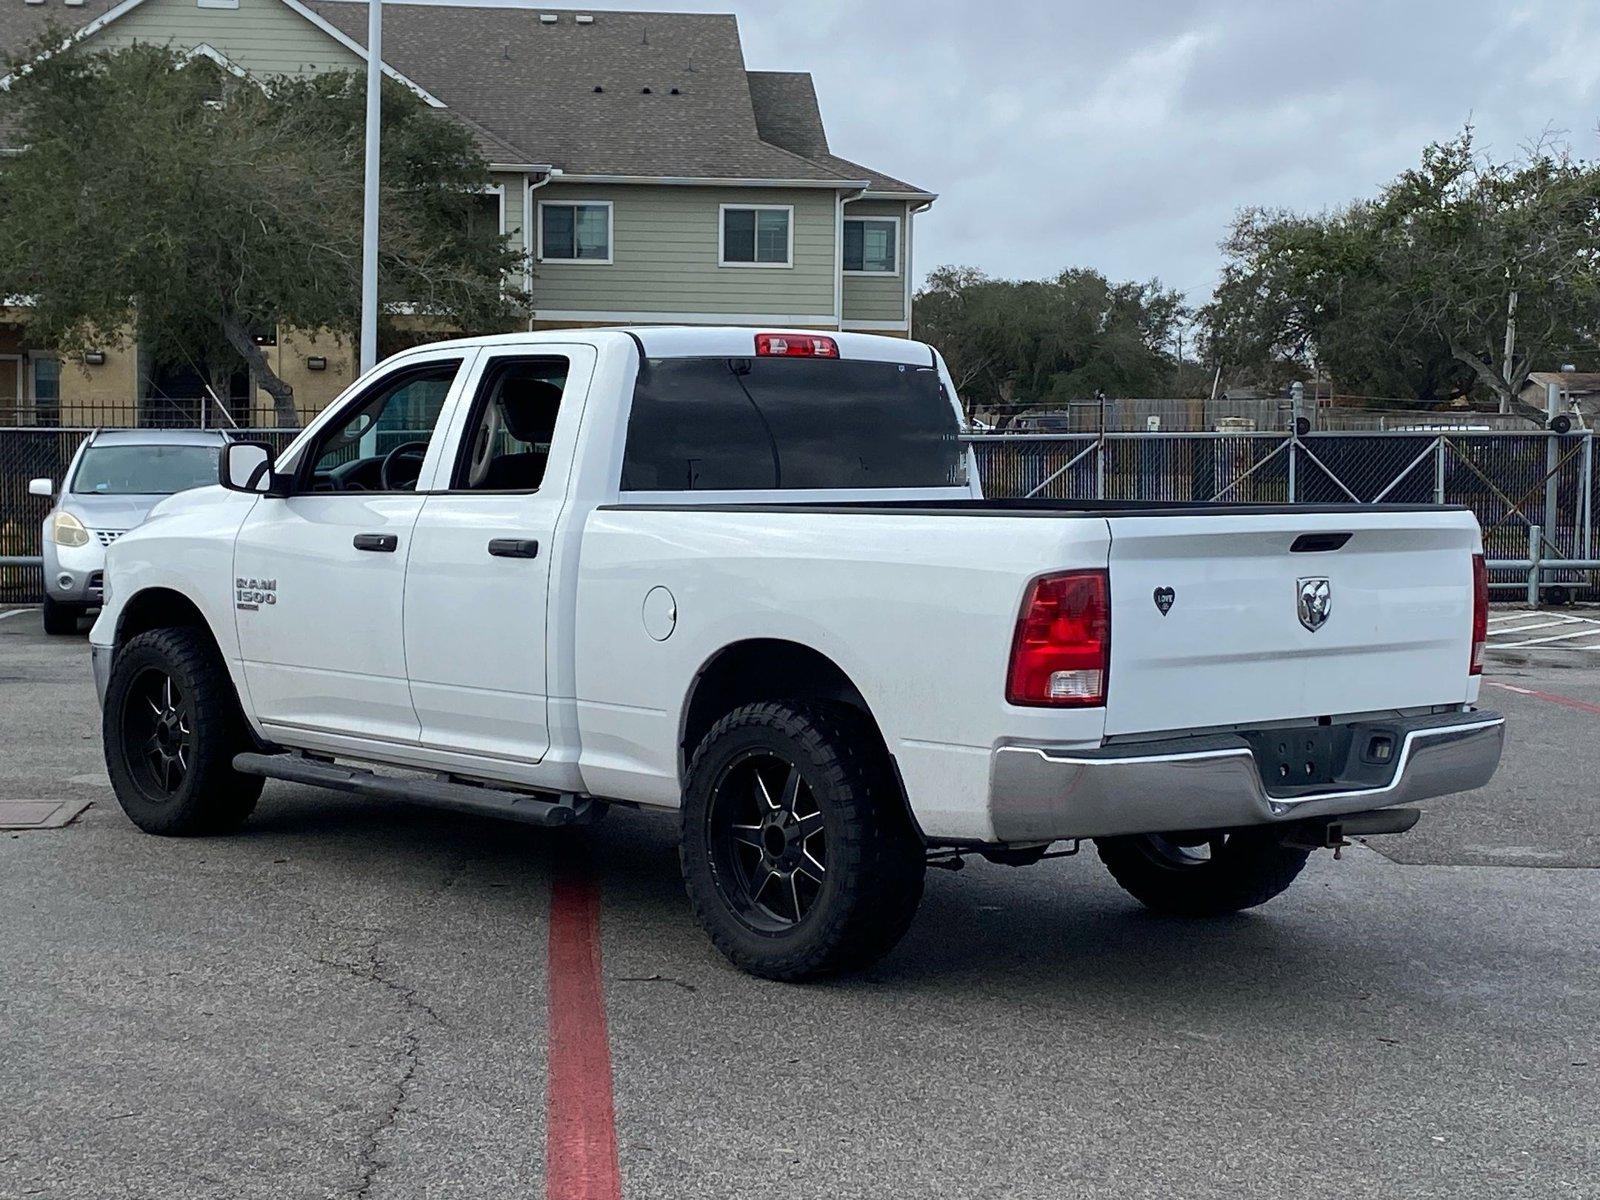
column 650, row 176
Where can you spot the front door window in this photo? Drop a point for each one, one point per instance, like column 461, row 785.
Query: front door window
column 379, row 443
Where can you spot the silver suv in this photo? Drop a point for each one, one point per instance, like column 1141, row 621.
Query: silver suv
column 114, row 480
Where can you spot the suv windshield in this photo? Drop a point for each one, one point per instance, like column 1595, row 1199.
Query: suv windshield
column 738, row 424
column 151, row 470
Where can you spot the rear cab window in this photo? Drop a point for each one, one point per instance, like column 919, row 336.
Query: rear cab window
column 751, row 424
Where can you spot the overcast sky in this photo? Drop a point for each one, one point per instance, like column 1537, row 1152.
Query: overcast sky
column 1124, row 134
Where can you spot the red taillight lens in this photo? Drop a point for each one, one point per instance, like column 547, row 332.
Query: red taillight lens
column 1480, row 613
column 1062, row 652
column 795, row 345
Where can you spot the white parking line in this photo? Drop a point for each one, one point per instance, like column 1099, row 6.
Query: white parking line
column 15, row 612
column 1558, row 637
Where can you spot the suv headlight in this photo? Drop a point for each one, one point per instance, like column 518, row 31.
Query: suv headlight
column 67, row 530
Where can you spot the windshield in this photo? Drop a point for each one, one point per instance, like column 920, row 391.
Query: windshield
column 151, row 470
column 738, row 424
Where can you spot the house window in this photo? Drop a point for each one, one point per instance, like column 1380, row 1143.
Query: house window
column 757, row 235
column 486, row 214
column 872, row 245
column 575, row 232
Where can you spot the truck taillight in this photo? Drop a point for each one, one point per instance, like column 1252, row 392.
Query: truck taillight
column 1062, row 652
column 1480, row 612
column 795, row 345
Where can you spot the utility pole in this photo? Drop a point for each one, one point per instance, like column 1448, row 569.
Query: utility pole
column 369, row 222
column 1511, row 344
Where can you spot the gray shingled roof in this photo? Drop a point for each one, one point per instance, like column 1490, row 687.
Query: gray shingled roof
column 527, row 89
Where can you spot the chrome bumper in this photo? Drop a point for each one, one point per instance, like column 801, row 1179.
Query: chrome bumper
column 1040, row 793
column 100, row 660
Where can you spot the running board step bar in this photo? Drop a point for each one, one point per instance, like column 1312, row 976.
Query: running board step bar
column 435, row 792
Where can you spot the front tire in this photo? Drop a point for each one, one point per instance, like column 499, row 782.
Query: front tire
column 171, row 727
column 60, row 619
column 1202, row 874
column 798, row 855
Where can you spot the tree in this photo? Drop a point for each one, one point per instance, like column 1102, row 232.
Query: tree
column 1025, row 343
column 1411, row 292
column 163, row 193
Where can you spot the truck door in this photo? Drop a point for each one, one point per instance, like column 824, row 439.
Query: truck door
column 482, row 556
column 320, row 574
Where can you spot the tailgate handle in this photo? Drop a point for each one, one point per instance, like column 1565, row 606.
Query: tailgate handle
column 1318, row 543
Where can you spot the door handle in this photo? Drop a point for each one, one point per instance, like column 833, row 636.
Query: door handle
column 384, row 543
column 513, row 547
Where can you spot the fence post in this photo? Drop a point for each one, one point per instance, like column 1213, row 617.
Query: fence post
column 1439, row 450
column 1294, row 459
column 1552, row 456
column 1587, row 483
column 1535, row 543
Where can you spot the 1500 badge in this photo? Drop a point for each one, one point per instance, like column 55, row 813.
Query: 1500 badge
column 251, row 594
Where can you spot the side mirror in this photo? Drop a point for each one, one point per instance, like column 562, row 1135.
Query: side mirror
column 41, row 487
column 247, row 467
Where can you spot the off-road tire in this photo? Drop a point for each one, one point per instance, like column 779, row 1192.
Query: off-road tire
column 875, row 860
column 60, row 619
column 211, row 797
column 1249, row 868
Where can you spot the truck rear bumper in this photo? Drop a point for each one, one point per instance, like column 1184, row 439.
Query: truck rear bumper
column 1043, row 793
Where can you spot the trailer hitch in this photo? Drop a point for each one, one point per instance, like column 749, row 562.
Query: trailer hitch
column 1334, row 833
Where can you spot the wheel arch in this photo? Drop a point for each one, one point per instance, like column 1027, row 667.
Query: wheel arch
column 770, row 669
column 160, row 608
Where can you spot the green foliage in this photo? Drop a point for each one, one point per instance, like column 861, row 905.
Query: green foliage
column 1409, row 293
column 201, row 207
column 1029, row 343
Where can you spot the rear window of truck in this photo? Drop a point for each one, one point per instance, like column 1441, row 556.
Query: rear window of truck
column 742, row 424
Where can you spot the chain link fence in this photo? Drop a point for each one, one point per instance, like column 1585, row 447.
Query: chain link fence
column 1534, row 493
column 42, row 453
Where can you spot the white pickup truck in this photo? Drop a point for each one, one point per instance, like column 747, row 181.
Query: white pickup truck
column 752, row 577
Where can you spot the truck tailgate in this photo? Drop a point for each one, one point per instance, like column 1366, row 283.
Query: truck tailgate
column 1232, row 646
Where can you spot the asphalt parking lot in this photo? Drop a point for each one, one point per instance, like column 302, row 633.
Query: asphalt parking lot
column 356, row 999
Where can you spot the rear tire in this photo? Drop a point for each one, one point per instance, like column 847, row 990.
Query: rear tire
column 60, row 619
column 798, row 855
column 1170, row 873
column 171, row 727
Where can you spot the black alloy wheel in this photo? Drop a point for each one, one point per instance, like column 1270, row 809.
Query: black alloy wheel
column 769, row 841
column 159, row 743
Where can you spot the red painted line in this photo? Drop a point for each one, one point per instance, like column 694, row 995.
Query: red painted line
column 580, row 1116
column 1564, row 701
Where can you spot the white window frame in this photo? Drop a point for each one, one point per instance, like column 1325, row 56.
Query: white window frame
column 722, row 235
column 216, row 3
column 611, row 233
column 31, row 368
column 898, row 234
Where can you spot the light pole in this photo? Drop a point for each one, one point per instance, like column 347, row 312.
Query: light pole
column 369, row 221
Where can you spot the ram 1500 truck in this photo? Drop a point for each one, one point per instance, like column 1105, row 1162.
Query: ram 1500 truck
column 752, row 577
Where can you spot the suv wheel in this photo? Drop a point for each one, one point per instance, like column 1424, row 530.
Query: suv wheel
column 1202, row 874
column 171, row 728
column 798, row 855
column 60, row 618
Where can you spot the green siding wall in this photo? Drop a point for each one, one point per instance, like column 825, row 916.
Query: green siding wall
column 879, row 297
column 261, row 36
column 513, row 185
column 665, row 250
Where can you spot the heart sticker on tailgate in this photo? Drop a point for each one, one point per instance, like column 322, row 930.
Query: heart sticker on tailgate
column 1164, row 597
